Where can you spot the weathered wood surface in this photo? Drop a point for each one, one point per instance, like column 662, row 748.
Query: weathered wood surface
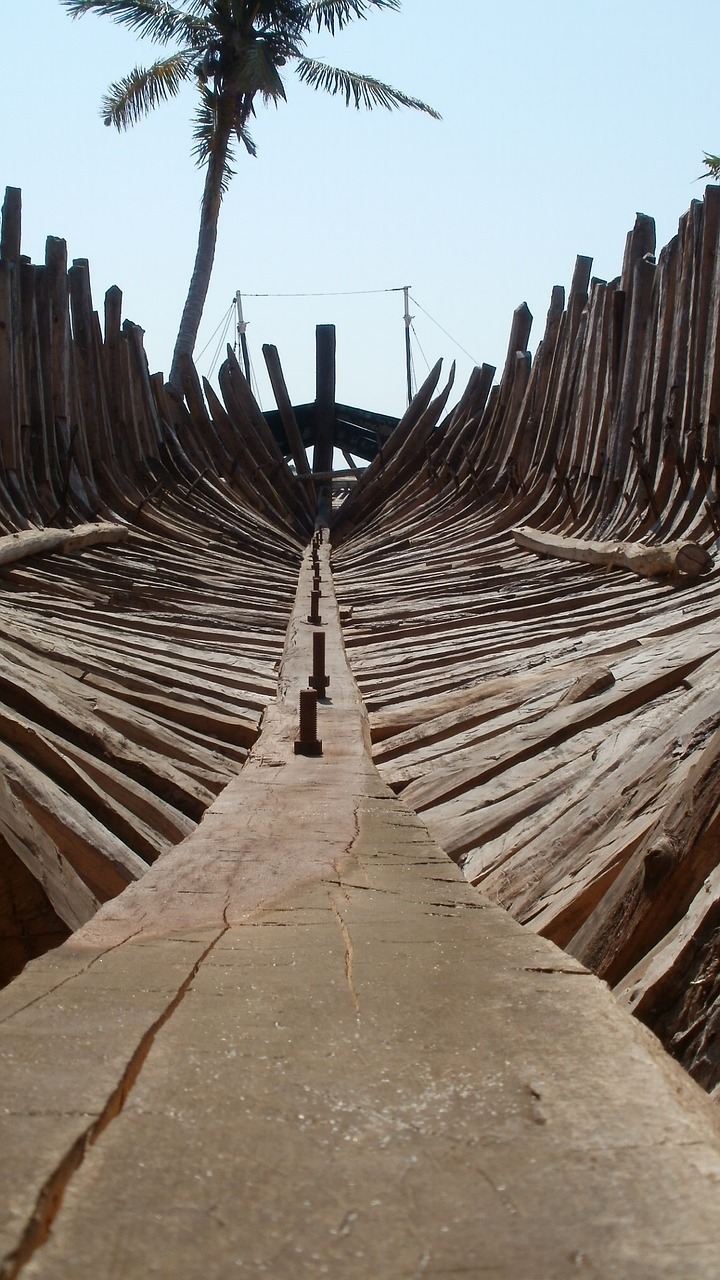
column 552, row 724
column 668, row 558
column 132, row 684
column 37, row 542
column 147, row 570
column 544, row 723
column 303, row 1044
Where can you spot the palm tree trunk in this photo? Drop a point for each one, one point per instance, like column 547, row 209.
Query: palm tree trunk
column 207, row 239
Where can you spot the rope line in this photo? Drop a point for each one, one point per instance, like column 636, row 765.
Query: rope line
column 212, row 337
column 420, row 349
column 447, row 335
column 342, row 293
column 253, row 378
column 221, row 344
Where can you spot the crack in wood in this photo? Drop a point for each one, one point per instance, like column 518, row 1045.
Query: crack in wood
column 349, row 978
column 49, row 1200
column 70, row 978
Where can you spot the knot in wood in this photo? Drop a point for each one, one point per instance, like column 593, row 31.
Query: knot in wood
column 660, row 859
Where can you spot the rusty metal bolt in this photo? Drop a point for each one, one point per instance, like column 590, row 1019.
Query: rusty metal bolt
column 319, row 680
column 314, row 614
column 308, row 743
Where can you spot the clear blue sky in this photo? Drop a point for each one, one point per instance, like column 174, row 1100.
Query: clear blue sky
column 560, row 120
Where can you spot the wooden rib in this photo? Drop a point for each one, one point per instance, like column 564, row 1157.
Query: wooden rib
column 553, row 723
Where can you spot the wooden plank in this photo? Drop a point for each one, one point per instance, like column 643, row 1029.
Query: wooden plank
column 661, row 878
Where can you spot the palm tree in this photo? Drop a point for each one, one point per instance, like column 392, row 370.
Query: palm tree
column 233, row 51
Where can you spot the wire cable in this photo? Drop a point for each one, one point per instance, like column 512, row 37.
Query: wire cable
column 447, row 335
column 422, row 353
column 253, row 379
column 413, row 376
column 220, row 345
column 343, row 293
column 212, row 337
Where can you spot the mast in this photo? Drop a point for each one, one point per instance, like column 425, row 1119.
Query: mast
column 242, row 330
column 408, row 354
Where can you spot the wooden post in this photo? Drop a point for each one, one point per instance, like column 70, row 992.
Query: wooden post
column 56, row 262
column 90, row 439
column 9, row 429
column 408, row 350
column 10, row 225
column 113, row 354
column 519, row 338
column 324, row 415
column 287, row 417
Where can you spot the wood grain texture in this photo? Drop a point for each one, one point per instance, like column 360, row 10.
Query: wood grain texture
column 552, row 722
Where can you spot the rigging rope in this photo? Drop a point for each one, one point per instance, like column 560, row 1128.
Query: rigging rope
column 253, row 380
column 212, row 337
column 342, row 293
column 447, row 335
column 357, row 293
column 221, row 344
column 422, row 353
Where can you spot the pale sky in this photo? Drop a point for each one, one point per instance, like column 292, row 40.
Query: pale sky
column 560, row 121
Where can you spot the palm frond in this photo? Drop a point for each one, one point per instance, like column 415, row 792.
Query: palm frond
column 360, row 90
column 712, row 164
column 204, row 125
column 245, row 137
column 284, row 31
column 256, row 72
column 289, row 16
column 156, row 19
column 205, row 134
column 336, row 14
column 128, row 100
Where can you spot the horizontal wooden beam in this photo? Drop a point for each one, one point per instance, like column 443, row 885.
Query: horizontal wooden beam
column 36, row 542
column 684, row 558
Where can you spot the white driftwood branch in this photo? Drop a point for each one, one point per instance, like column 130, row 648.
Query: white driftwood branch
column 36, row 542
column 676, row 558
